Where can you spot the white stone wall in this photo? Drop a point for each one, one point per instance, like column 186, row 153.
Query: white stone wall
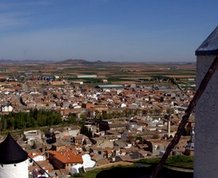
column 206, row 137
column 19, row 170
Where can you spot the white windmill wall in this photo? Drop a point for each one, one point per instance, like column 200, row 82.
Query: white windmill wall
column 206, row 137
column 19, row 170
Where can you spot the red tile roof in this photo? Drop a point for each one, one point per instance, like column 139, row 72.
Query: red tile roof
column 67, row 156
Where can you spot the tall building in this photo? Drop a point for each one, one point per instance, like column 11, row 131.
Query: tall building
column 13, row 159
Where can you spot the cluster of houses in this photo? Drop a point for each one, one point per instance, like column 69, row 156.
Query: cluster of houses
column 68, row 98
column 136, row 122
column 123, row 140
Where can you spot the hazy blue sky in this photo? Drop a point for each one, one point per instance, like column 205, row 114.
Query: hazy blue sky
column 115, row 30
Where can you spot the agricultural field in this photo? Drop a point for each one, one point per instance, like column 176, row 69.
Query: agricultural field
column 113, row 72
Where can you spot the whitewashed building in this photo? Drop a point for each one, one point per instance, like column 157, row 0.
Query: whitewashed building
column 87, row 163
column 7, row 108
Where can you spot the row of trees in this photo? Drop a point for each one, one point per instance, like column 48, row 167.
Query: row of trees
column 34, row 118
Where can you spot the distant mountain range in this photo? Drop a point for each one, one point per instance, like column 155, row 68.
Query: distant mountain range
column 67, row 61
column 78, row 62
column 85, row 62
column 74, row 61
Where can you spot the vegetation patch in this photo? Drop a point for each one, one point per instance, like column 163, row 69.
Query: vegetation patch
column 180, row 161
column 144, row 167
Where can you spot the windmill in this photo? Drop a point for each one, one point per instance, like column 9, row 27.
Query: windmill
column 207, row 62
column 13, row 159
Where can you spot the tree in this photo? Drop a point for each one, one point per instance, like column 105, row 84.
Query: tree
column 71, row 119
column 34, row 118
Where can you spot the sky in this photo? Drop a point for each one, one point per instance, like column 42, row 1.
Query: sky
column 107, row 30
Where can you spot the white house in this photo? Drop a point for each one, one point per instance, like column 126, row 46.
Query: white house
column 7, row 108
column 87, row 163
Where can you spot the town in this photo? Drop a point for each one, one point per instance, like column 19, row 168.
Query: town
column 74, row 116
